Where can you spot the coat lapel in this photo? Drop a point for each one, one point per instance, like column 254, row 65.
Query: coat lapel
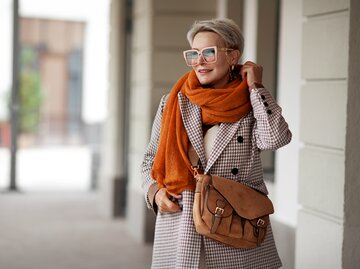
column 191, row 115
column 225, row 133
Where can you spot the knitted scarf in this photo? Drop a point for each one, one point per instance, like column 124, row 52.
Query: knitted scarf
column 171, row 167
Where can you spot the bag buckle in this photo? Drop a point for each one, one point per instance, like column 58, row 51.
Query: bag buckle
column 219, row 211
column 195, row 170
column 260, row 222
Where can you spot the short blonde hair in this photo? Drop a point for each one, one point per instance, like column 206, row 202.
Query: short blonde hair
column 227, row 29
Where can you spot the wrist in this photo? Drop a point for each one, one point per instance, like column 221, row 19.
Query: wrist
column 255, row 85
column 153, row 190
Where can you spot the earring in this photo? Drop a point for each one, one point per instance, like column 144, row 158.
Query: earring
column 232, row 73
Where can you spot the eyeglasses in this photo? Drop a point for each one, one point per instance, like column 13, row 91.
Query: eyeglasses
column 209, row 55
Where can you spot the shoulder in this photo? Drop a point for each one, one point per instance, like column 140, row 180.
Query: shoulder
column 162, row 103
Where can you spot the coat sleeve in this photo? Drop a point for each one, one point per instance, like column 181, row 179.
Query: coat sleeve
column 271, row 130
column 149, row 185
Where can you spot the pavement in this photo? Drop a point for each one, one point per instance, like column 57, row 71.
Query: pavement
column 64, row 231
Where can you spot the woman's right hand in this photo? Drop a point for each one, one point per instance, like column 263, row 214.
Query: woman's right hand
column 165, row 205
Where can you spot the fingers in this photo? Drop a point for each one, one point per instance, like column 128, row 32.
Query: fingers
column 176, row 196
column 251, row 72
column 164, row 201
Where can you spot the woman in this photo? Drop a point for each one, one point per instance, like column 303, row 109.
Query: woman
column 221, row 115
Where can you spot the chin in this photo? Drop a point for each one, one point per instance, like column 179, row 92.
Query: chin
column 204, row 82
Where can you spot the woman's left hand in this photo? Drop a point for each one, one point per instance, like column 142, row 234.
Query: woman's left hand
column 252, row 72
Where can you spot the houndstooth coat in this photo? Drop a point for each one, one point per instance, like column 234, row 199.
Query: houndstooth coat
column 235, row 155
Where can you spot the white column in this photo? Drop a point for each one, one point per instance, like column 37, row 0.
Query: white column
column 250, row 30
column 112, row 170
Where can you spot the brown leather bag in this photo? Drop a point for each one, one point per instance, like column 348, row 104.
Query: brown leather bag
column 230, row 212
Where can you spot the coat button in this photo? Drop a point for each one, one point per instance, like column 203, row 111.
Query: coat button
column 234, row 171
column 240, row 139
column 269, row 111
column 262, row 97
column 266, row 104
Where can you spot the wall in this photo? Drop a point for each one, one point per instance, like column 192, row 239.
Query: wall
column 322, row 130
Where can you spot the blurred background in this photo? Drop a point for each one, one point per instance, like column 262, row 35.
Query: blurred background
column 81, row 82
column 61, row 96
column 53, row 104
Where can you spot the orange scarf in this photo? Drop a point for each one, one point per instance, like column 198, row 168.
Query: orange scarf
column 171, row 167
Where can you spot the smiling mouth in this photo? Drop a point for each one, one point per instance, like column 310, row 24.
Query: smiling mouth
column 204, row 71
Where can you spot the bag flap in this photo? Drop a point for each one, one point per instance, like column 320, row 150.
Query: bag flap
column 214, row 200
column 247, row 202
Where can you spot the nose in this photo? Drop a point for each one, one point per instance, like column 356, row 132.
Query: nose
column 200, row 59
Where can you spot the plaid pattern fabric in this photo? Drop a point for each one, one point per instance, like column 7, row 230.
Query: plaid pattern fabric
column 235, row 155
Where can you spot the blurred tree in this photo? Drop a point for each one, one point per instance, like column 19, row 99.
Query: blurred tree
column 30, row 95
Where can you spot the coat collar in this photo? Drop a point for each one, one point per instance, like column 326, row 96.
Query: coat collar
column 191, row 115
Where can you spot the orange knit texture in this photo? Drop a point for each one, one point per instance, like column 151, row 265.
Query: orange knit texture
column 172, row 168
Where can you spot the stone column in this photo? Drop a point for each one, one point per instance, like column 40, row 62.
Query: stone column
column 112, row 172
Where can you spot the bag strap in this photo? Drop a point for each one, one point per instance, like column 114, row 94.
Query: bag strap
column 193, row 156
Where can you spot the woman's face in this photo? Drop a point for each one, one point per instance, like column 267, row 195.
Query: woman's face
column 215, row 75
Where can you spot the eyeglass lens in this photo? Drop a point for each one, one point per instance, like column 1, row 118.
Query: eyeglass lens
column 208, row 54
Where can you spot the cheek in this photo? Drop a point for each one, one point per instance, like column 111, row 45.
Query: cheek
column 222, row 68
column 222, row 63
